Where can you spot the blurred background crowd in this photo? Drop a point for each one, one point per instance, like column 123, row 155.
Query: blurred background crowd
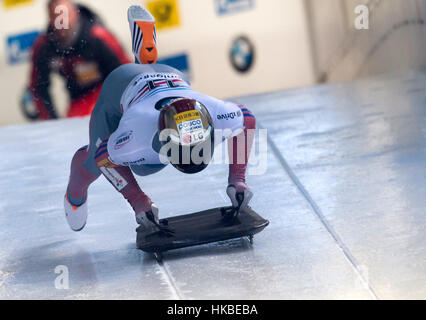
column 227, row 48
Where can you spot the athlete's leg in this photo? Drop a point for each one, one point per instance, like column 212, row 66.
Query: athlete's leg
column 80, row 178
column 75, row 203
column 104, row 121
column 107, row 113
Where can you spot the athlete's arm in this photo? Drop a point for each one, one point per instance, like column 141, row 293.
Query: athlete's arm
column 237, row 124
column 111, row 163
column 123, row 180
column 40, row 80
column 239, row 149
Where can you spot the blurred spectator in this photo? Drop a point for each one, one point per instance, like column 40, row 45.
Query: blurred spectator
column 83, row 54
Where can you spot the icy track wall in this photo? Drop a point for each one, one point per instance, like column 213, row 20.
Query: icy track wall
column 394, row 41
column 196, row 36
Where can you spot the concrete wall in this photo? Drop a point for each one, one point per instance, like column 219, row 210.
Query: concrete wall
column 203, row 33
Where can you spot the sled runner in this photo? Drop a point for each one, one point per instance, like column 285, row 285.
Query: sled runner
column 200, row 228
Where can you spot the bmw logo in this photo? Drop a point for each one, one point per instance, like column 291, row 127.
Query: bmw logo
column 242, row 54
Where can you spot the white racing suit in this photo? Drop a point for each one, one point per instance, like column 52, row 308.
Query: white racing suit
column 124, row 131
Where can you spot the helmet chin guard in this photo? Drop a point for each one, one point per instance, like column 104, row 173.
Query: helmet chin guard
column 186, row 134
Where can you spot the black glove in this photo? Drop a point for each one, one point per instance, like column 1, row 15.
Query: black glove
column 28, row 107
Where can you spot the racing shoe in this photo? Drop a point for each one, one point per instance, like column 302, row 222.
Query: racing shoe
column 144, row 35
column 76, row 216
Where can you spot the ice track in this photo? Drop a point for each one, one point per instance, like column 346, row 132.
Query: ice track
column 345, row 192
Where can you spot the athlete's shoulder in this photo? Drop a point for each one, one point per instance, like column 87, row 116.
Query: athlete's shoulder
column 102, row 33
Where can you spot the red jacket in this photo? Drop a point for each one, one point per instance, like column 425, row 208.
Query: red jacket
column 84, row 66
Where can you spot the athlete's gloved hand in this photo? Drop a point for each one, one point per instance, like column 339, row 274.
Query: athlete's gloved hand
column 240, row 195
column 148, row 217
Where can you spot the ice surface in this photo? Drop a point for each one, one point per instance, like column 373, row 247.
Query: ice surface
column 344, row 192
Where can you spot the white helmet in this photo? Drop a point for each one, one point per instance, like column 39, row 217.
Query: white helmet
column 190, row 132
